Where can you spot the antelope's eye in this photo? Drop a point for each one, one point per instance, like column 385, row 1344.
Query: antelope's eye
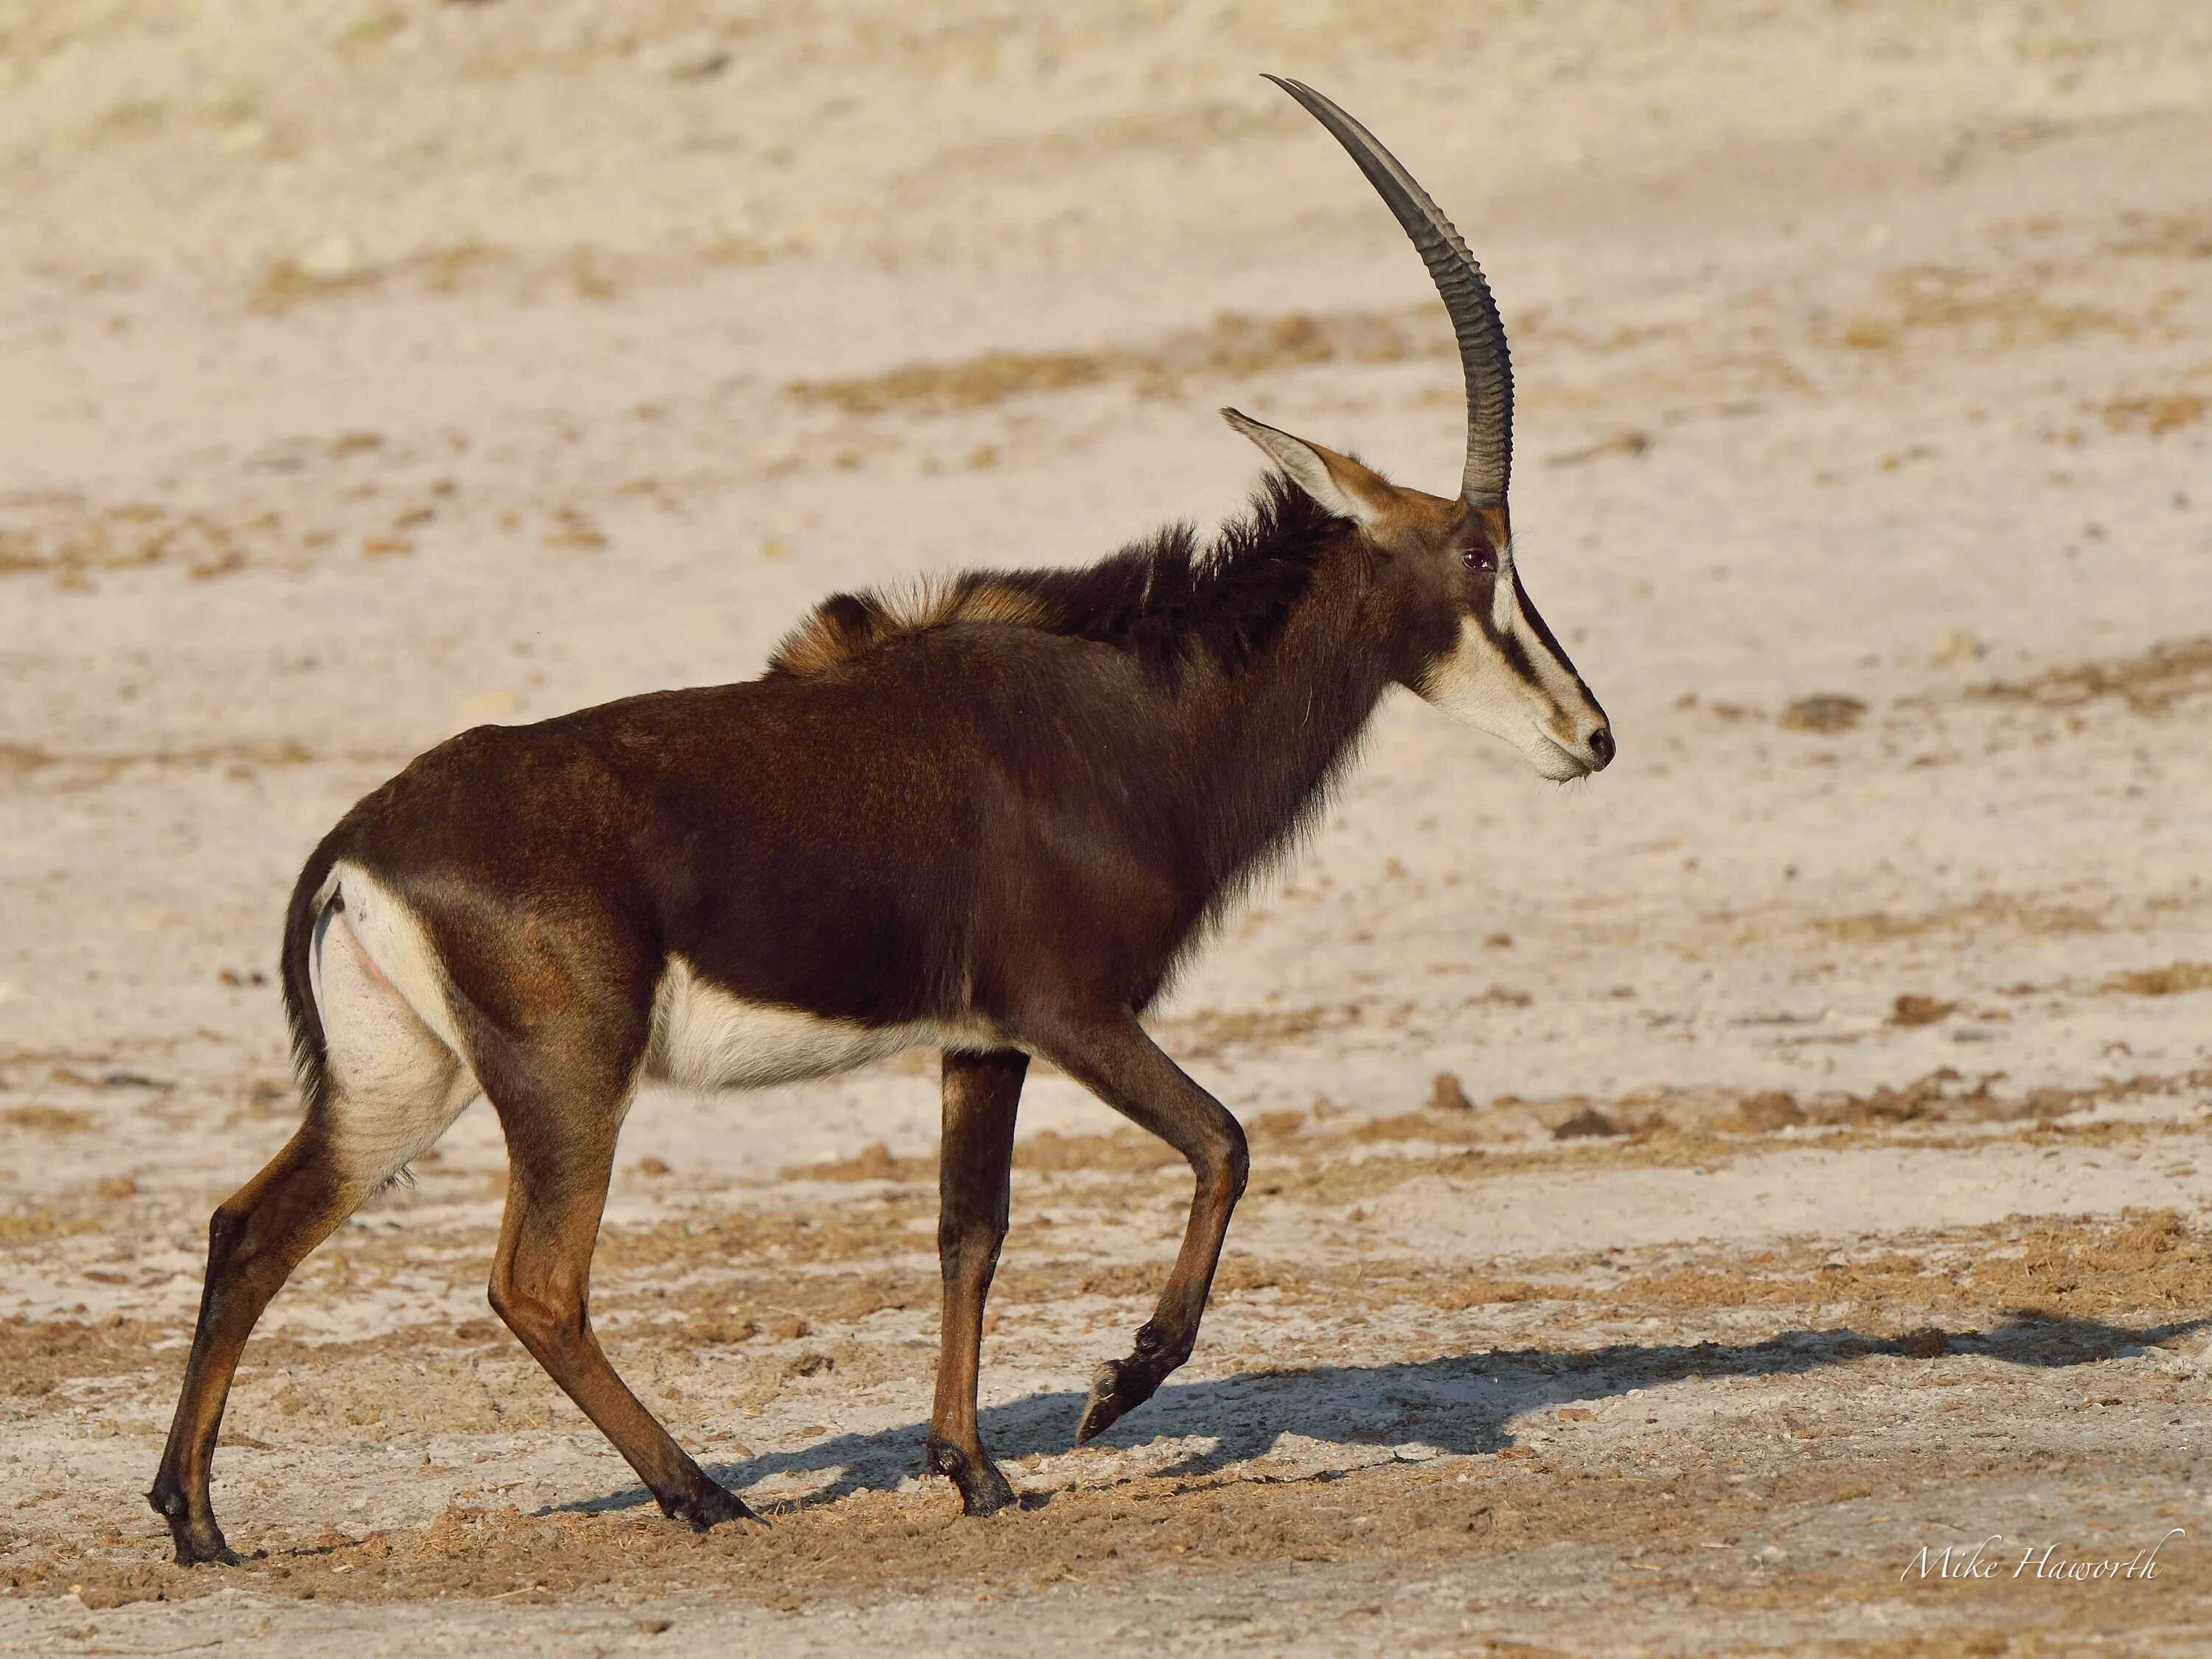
column 1478, row 558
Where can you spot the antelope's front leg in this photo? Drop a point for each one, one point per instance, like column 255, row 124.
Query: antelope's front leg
column 980, row 1092
column 1113, row 1058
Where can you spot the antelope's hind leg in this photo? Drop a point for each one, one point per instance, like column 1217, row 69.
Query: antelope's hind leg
column 981, row 1092
column 256, row 1238
column 389, row 1089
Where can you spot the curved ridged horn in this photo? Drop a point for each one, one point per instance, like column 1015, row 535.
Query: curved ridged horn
column 1466, row 295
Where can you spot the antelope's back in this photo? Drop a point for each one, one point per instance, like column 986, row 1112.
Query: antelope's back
column 827, row 843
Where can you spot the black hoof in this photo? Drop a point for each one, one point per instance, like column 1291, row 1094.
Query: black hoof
column 1118, row 1389
column 705, row 1510
column 983, row 1490
column 199, row 1544
column 205, row 1549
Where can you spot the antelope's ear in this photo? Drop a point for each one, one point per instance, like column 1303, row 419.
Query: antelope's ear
column 1337, row 481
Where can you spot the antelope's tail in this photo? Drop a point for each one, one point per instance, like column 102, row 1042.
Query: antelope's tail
column 312, row 896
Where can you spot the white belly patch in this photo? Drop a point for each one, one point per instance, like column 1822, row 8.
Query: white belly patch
column 705, row 1038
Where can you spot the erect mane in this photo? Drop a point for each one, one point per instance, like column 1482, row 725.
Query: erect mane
column 1158, row 599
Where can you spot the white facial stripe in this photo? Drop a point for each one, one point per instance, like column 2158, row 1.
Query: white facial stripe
column 1506, row 602
column 1559, row 680
column 1476, row 683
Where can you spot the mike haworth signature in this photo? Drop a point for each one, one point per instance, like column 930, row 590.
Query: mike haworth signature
column 2052, row 1563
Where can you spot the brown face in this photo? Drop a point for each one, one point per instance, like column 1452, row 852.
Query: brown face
column 1488, row 658
column 1477, row 649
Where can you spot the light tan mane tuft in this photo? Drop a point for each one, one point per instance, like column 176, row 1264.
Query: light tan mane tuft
column 848, row 626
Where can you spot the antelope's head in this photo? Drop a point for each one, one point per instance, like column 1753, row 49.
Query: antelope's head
column 1470, row 639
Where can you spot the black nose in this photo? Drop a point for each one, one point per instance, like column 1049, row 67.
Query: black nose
column 1601, row 745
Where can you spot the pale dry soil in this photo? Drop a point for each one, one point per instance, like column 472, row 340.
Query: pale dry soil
column 1680, row 1200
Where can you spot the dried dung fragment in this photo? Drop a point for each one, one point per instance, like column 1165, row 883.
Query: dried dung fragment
column 1768, row 1110
column 723, row 1327
column 2154, row 415
column 1913, row 1009
column 46, row 1119
column 1824, row 711
column 2168, row 981
column 1446, row 1095
column 1587, row 1122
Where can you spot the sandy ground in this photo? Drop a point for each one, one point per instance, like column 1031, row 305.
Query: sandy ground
column 377, row 370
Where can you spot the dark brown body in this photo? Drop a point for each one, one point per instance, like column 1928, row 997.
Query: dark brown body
column 976, row 821
column 994, row 826
column 989, row 819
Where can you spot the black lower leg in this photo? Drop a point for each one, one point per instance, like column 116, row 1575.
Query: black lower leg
column 254, row 1241
column 983, row 1490
column 177, row 1485
column 1118, row 1387
column 981, row 1093
column 703, row 1509
column 1112, row 1056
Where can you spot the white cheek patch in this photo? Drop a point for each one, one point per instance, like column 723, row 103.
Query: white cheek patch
column 706, row 1038
column 1474, row 683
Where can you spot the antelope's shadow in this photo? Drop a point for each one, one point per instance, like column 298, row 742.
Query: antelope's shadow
column 1455, row 1404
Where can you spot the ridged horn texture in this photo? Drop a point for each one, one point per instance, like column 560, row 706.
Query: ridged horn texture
column 1459, row 279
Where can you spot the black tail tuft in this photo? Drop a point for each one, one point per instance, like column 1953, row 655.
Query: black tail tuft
column 309, row 1051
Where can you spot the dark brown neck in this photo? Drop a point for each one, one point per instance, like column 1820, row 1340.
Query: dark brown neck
column 1268, row 739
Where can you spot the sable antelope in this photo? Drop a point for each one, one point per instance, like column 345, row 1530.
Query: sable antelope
column 989, row 818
